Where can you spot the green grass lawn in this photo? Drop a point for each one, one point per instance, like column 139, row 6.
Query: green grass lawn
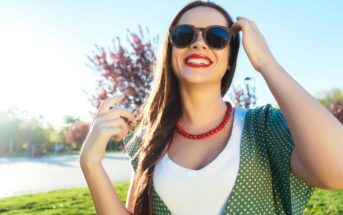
column 325, row 202
column 79, row 201
column 66, row 201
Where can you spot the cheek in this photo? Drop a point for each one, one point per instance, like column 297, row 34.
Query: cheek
column 223, row 55
column 175, row 56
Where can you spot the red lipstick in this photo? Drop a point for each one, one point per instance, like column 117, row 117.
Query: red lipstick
column 197, row 65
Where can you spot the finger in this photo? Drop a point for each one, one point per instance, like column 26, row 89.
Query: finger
column 117, row 123
column 245, row 20
column 236, row 27
column 254, row 26
column 105, row 105
column 115, row 113
column 243, row 24
column 240, row 17
column 111, row 131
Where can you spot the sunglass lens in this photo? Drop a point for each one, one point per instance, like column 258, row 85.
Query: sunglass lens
column 182, row 36
column 217, row 37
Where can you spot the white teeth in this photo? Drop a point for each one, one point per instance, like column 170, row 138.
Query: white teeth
column 200, row 61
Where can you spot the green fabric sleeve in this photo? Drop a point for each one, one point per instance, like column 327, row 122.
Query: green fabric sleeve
column 290, row 193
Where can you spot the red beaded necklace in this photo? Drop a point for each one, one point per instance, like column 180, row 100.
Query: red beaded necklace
column 211, row 132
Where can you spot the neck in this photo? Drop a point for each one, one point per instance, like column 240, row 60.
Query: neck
column 202, row 107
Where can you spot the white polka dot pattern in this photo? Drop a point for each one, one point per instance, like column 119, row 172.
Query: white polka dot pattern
column 265, row 183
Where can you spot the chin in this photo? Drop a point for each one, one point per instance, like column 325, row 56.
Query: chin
column 197, row 76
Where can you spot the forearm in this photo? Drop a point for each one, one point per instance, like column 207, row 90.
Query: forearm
column 105, row 198
column 317, row 134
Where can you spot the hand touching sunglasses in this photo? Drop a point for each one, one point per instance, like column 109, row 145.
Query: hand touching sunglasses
column 215, row 36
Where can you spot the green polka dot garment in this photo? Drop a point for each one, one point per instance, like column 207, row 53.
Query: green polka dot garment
column 264, row 184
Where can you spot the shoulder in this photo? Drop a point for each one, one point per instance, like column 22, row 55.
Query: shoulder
column 133, row 139
column 263, row 120
column 132, row 143
column 266, row 114
column 137, row 133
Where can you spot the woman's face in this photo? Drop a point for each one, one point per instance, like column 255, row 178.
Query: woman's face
column 186, row 67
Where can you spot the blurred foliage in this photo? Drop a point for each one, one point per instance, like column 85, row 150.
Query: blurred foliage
column 244, row 96
column 328, row 97
column 333, row 100
column 124, row 69
column 77, row 134
column 23, row 135
column 337, row 110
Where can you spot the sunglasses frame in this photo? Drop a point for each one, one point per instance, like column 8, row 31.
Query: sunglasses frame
column 203, row 31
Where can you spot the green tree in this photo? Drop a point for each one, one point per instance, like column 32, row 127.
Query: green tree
column 35, row 136
column 331, row 96
column 54, row 136
column 77, row 133
column 10, row 136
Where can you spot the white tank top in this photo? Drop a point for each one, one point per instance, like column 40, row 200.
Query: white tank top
column 204, row 191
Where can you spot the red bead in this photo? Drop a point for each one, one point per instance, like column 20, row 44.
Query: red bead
column 211, row 132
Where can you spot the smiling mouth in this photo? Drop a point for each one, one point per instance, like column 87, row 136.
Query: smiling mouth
column 197, row 61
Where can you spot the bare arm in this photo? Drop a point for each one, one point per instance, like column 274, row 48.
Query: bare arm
column 130, row 192
column 318, row 135
column 107, row 123
column 105, row 198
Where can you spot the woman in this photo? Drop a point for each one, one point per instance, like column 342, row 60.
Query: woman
column 192, row 153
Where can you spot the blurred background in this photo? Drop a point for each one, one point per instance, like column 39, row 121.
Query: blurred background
column 60, row 59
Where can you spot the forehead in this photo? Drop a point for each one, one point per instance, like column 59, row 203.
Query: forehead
column 202, row 17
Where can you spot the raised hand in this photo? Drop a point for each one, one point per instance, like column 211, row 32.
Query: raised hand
column 107, row 123
column 254, row 44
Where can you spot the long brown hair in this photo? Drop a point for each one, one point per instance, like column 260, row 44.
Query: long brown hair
column 162, row 108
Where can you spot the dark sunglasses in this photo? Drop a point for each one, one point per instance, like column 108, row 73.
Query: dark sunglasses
column 215, row 36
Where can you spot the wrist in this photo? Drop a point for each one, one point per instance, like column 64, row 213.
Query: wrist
column 86, row 162
column 272, row 66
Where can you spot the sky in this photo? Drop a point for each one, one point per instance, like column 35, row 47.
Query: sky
column 44, row 46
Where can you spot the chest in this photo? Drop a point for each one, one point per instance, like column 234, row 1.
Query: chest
column 252, row 184
column 197, row 154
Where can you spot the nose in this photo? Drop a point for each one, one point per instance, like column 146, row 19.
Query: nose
column 199, row 42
